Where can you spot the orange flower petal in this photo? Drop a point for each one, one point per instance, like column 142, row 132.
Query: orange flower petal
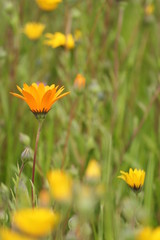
column 26, row 87
column 19, row 89
column 35, row 85
column 55, row 99
column 59, row 92
column 45, row 104
column 35, row 94
column 17, row 95
column 41, row 90
column 40, row 97
column 30, row 101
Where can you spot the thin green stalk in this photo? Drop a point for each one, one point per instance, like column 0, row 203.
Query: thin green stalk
column 34, row 159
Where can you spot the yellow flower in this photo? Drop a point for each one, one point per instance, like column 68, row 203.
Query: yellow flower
column 48, row 5
column 35, row 222
column 33, row 30
column 59, row 39
column 135, row 179
column 149, row 9
column 148, row 233
column 79, row 81
column 93, row 170
column 145, row 234
column 40, row 98
column 7, row 234
column 155, row 234
column 60, row 185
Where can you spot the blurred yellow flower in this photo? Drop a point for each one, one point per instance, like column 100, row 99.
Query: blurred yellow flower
column 7, row 234
column 135, row 179
column 79, row 81
column 148, row 233
column 149, row 9
column 48, row 5
column 35, row 222
column 145, row 234
column 155, row 234
column 59, row 39
column 60, row 185
column 33, row 30
column 40, row 98
column 93, row 170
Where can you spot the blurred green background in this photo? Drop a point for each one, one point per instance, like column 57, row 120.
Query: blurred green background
column 114, row 119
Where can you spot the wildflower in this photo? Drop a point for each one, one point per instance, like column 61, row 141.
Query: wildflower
column 40, row 98
column 155, row 234
column 60, row 185
column 145, row 233
column 93, row 170
column 7, row 234
column 149, row 9
column 36, row 222
column 135, row 179
column 33, row 30
column 48, row 5
column 148, row 233
column 79, row 81
column 27, row 155
column 59, row 39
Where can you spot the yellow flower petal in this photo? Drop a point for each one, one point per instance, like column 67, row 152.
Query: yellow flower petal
column 35, row 222
column 7, row 234
column 60, row 185
column 17, row 95
column 33, row 30
column 135, row 178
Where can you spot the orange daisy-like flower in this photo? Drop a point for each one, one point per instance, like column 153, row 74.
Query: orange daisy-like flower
column 39, row 97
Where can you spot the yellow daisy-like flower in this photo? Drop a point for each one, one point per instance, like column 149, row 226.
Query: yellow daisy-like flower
column 148, row 233
column 79, row 81
column 60, row 185
column 48, row 5
column 59, row 39
column 93, row 170
column 40, row 98
column 36, row 222
column 135, row 179
column 149, row 9
column 155, row 234
column 7, row 234
column 33, row 30
column 145, row 233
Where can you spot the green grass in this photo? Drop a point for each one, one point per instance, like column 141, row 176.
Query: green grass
column 116, row 117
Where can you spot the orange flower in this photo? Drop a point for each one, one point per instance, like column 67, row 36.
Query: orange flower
column 40, row 98
column 79, row 81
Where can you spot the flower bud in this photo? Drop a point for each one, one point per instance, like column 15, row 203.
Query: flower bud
column 27, row 155
column 93, row 171
column 79, row 82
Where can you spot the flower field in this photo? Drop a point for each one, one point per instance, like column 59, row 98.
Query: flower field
column 80, row 120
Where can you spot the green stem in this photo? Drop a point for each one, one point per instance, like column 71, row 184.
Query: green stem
column 34, row 159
